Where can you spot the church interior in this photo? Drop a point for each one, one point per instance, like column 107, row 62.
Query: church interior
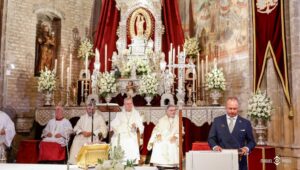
column 192, row 54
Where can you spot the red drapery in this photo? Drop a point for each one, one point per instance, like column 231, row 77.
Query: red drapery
column 173, row 29
column 109, row 21
column 106, row 32
column 269, row 40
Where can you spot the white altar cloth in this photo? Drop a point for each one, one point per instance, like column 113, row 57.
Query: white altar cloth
column 54, row 166
column 211, row 160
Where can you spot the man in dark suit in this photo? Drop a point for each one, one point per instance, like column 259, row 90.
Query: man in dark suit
column 231, row 131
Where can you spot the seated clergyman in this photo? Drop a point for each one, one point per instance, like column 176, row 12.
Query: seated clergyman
column 55, row 135
column 85, row 132
column 164, row 140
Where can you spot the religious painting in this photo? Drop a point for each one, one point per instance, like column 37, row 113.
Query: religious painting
column 220, row 25
column 46, row 44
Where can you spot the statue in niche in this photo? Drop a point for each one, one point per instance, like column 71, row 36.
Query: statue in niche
column 140, row 25
column 45, row 47
column 131, row 89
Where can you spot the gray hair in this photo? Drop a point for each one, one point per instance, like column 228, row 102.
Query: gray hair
column 170, row 105
column 234, row 98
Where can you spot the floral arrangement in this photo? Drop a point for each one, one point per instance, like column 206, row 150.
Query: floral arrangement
column 260, row 106
column 106, row 83
column 142, row 67
column 148, row 85
column 85, row 49
column 191, row 46
column 47, row 80
column 116, row 155
column 216, row 80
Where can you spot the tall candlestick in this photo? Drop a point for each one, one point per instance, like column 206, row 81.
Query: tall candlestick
column 82, row 88
column 62, row 71
column 215, row 63
column 171, row 48
column 170, row 57
column 206, row 64
column 198, row 71
column 97, row 62
column 68, row 78
column 71, row 58
column 202, row 71
column 105, row 57
column 86, row 67
column 55, row 66
column 194, row 83
column 178, row 50
column 173, row 55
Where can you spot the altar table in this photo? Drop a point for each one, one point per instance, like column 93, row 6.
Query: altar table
column 56, row 167
column 211, row 160
column 198, row 115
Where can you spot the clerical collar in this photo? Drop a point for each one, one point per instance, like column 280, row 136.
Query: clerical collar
column 59, row 119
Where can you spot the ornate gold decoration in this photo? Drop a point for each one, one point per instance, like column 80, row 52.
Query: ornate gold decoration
column 133, row 18
column 266, row 6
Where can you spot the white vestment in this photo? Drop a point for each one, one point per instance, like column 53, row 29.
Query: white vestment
column 8, row 125
column 85, row 124
column 54, row 127
column 122, row 127
column 164, row 152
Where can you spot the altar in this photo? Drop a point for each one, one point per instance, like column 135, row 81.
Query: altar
column 198, row 115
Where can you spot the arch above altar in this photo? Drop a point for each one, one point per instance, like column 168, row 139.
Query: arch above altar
column 139, row 20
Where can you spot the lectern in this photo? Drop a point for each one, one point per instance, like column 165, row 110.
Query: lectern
column 108, row 107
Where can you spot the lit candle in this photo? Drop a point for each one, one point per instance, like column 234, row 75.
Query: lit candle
column 206, row 64
column 170, row 58
column 55, row 66
column 173, row 55
column 62, row 71
column 105, row 57
column 97, row 62
column 68, row 78
column 71, row 58
column 215, row 63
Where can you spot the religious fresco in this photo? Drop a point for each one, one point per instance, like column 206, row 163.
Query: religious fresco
column 221, row 25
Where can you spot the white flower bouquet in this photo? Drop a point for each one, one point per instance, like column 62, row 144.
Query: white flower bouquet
column 191, row 46
column 216, row 80
column 142, row 67
column 47, row 81
column 85, row 49
column 106, row 83
column 260, row 106
column 148, row 85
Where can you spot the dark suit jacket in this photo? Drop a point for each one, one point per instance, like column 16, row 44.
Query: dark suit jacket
column 241, row 136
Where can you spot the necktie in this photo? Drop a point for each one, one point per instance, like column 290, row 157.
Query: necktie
column 231, row 125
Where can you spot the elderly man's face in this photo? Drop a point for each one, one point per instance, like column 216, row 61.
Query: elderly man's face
column 58, row 113
column 128, row 104
column 171, row 111
column 232, row 107
column 90, row 110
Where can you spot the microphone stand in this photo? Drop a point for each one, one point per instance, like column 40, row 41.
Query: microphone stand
column 92, row 126
column 68, row 154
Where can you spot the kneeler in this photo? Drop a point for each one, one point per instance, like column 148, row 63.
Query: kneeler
column 51, row 151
